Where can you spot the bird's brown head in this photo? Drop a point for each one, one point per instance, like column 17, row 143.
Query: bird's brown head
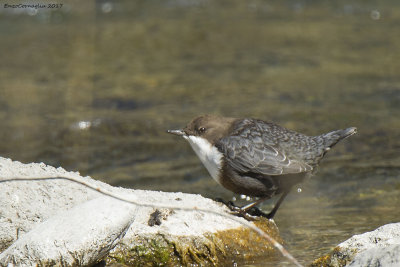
column 210, row 127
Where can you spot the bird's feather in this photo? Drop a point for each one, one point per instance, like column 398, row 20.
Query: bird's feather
column 256, row 152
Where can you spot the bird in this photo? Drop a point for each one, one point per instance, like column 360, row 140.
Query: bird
column 257, row 158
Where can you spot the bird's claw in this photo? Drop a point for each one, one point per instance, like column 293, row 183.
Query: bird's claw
column 242, row 213
column 254, row 211
column 251, row 215
column 229, row 204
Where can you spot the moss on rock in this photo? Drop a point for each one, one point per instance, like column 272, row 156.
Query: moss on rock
column 337, row 258
column 212, row 249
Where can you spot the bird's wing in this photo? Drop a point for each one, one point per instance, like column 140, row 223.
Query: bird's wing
column 252, row 154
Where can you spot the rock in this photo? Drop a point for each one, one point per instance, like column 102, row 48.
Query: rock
column 378, row 257
column 27, row 203
column 380, row 247
column 178, row 241
column 56, row 221
column 69, row 238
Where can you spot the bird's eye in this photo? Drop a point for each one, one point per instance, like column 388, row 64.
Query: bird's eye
column 202, row 130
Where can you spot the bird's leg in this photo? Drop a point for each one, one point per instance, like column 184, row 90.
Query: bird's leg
column 245, row 211
column 250, row 212
column 238, row 210
column 273, row 211
column 229, row 204
column 249, row 206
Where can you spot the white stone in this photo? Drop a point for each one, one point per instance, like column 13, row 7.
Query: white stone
column 75, row 219
column 378, row 257
column 380, row 247
column 79, row 236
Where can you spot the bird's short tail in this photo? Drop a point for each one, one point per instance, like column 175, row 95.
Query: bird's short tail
column 332, row 138
column 348, row 132
column 324, row 142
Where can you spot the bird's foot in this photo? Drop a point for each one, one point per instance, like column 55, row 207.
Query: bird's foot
column 242, row 213
column 251, row 214
column 229, row 204
column 254, row 211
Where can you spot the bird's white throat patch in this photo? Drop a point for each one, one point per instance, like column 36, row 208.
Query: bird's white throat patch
column 208, row 154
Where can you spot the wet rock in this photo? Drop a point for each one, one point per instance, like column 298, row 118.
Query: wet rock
column 380, row 247
column 56, row 221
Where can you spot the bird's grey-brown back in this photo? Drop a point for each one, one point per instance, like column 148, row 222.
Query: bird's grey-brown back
column 294, row 145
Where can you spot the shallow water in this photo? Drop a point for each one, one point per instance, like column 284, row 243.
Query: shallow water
column 93, row 86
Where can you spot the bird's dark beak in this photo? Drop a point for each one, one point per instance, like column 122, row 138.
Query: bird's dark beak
column 177, row 132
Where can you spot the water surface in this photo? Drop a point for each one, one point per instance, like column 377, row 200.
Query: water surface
column 93, row 86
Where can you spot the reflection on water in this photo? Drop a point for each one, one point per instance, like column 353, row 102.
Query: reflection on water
column 92, row 86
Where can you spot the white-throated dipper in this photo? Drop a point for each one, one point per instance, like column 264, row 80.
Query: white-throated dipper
column 256, row 158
